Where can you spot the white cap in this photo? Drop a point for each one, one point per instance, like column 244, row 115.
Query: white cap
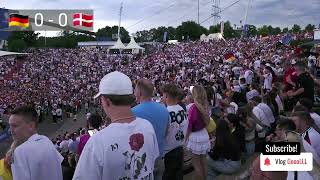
column 115, row 83
column 293, row 62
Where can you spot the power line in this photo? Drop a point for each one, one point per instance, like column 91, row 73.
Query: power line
column 213, row 15
column 186, row 14
column 157, row 13
column 183, row 16
column 227, row 7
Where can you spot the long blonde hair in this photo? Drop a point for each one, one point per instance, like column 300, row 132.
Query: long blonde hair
column 201, row 101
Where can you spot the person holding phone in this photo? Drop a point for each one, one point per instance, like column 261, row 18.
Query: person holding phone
column 95, row 122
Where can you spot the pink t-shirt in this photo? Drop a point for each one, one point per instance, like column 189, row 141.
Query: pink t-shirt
column 195, row 120
column 82, row 143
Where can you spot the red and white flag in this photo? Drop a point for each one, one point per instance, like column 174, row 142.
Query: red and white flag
column 80, row 19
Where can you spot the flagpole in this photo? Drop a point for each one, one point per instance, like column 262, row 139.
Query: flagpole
column 120, row 24
column 245, row 18
column 198, row 11
column 120, row 19
column 45, row 38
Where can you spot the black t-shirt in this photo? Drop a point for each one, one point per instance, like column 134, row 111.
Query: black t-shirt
column 305, row 81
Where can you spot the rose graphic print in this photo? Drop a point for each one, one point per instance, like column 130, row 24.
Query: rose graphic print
column 135, row 160
column 136, row 141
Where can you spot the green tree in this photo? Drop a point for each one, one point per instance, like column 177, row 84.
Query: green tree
column 228, row 31
column 29, row 37
column 285, row 30
column 214, row 29
column 264, row 30
column 309, row 28
column 296, row 28
column 276, row 31
column 17, row 45
column 109, row 31
column 190, row 29
column 143, row 36
column 158, row 34
column 172, row 33
column 253, row 30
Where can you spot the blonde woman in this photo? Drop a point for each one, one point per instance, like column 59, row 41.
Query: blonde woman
column 5, row 163
column 197, row 136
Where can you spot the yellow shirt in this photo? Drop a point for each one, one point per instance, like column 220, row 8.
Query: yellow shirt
column 5, row 174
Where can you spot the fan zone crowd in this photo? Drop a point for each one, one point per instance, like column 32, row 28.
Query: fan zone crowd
column 150, row 112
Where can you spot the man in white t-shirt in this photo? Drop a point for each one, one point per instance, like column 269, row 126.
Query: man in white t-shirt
column 35, row 157
column 262, row 112
column 248, row 75
column 303, row 123
column 267, row 84
column 59, row 114
column 127, row 148
column 175, row 135
column 54, row 116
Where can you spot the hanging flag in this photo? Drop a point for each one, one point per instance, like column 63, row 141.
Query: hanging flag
column 229, row 57
column 4, row 17
column 165, row 34
column 246, row 28
column 18, row 20
column 286, row 39
column 81, row 19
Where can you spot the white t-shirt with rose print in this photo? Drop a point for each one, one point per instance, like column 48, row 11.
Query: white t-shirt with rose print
column 119, row 151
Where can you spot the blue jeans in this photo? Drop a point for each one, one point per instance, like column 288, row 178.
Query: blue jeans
column 221, row 167
column 250, row 147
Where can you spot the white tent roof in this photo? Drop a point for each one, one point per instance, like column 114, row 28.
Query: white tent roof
column 133, row 45
column 118, row 45
column 6, row 53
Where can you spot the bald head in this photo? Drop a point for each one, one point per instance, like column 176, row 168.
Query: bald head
column 144, row 89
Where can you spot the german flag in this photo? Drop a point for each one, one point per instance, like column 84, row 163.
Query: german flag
column 18, row 20
column 229, row 57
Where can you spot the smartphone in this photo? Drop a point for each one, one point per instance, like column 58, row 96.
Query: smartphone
column 91, row 132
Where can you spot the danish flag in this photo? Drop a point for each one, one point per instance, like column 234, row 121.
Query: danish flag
column 80, row 19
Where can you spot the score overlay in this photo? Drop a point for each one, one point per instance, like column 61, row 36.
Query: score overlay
column 49, row 20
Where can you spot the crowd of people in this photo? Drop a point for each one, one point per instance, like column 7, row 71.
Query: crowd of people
column 183, row 98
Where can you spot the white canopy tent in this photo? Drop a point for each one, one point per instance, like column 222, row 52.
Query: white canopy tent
column 134, row 47
column 119, row 45
column 6, row 53
column 214, row 36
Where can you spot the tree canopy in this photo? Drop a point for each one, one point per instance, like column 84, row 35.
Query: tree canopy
column 188, row 30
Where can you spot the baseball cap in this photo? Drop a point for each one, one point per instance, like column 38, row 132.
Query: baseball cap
column 115, row 83
column 293, row 62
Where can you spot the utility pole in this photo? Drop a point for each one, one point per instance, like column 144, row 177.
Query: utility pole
column 120, row 14
column 199, row 12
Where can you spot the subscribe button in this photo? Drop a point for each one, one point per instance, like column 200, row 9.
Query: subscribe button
column 285, row 157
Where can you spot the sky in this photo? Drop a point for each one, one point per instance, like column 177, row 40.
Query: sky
column 146, row 14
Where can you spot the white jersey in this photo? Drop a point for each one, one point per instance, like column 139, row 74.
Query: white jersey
column 37, row 159
column 248, row 75
column 59, row 112
column 264, row 113
column 267, row 84
column 177, row 128
column 119, row 151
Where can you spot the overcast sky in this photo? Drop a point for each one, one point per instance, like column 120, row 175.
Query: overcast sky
column 154, row 13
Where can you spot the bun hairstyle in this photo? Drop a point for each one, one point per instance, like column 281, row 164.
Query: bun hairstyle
column 201, row 101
